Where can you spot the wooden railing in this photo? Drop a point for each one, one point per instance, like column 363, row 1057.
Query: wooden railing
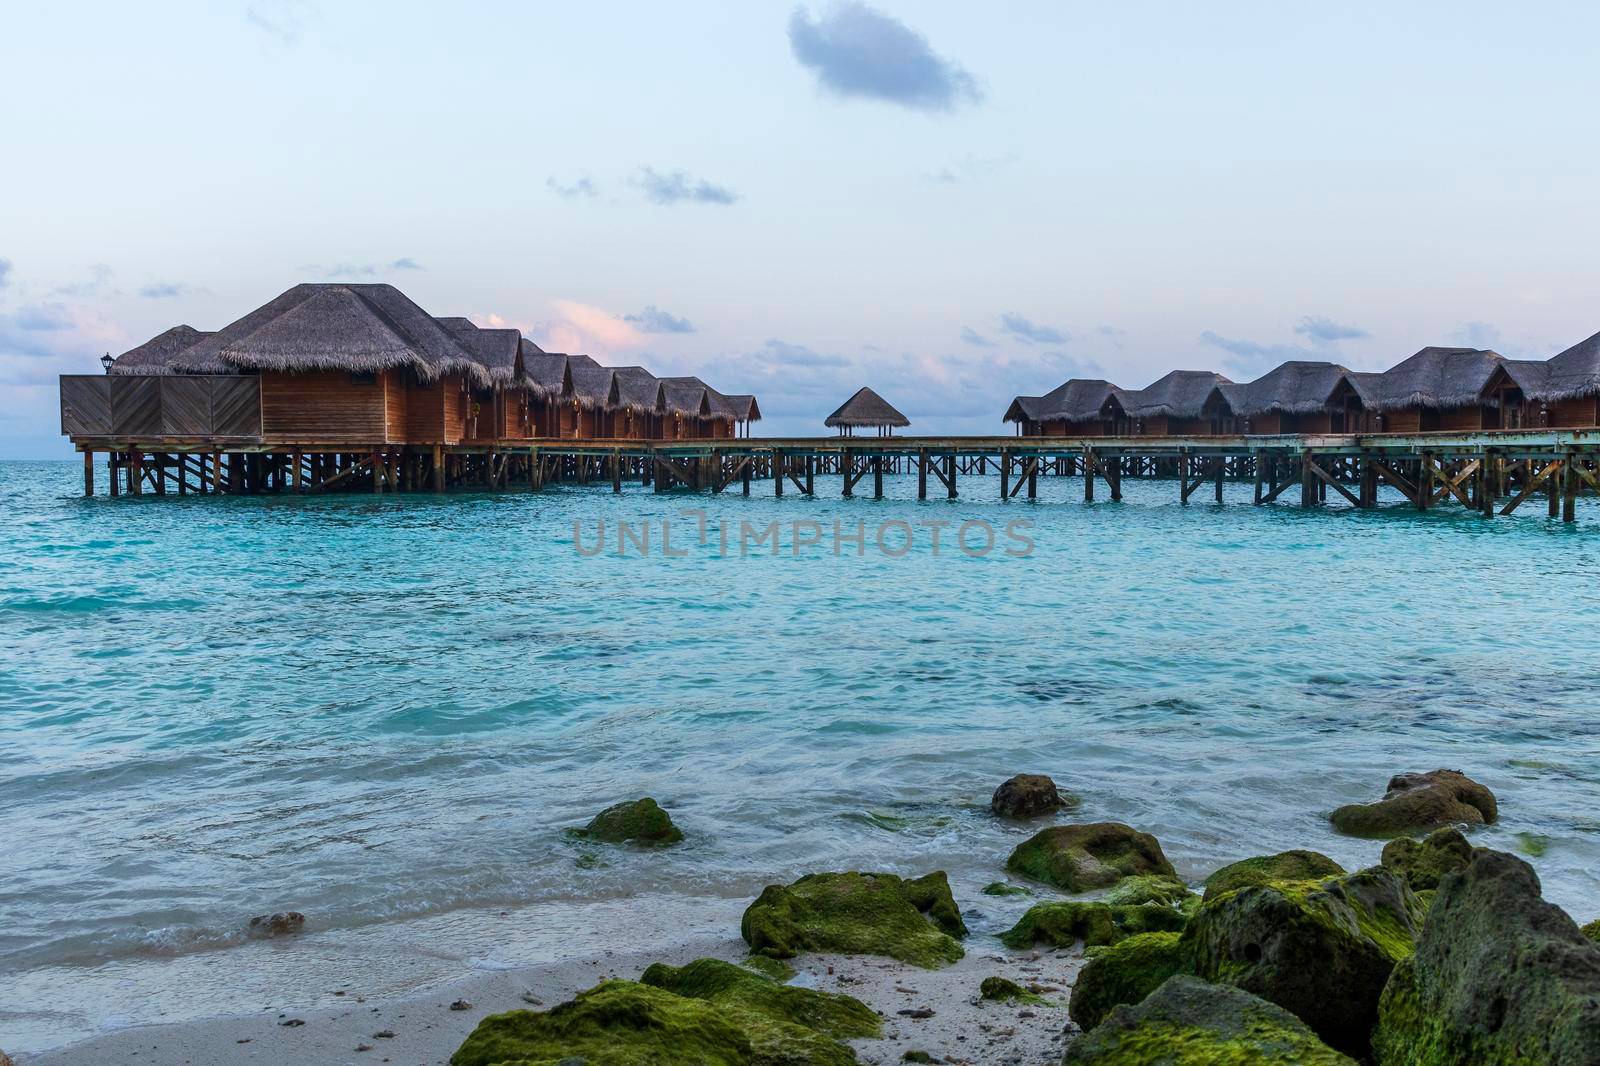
column 177, row 406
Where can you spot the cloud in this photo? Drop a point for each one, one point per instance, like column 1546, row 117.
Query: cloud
column 1029, row 332
column 974, row 338
column 579, row 328
column 654, row 320
column 282, row 20
column 39, row 341
column 584, row 188
column 165, row 290
column 856, row 51
column 5, row 272
column 969, row 168
column 680, row 187
column 365, row 270
column 98, row 283
column 1325, row 330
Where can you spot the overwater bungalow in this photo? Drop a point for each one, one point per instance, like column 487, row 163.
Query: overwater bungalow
column 1299, row 396
column 1184, row 403
column 1560, row 392
column 586, row 414
column 499, row 410
column 866, row 410
column 1437, row 389
column 745, row 412
column 637, row 404
column 1081, row 407
column 710, row 419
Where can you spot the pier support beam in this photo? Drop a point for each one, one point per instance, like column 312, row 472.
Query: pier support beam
column 922, row 473
column 88, row 473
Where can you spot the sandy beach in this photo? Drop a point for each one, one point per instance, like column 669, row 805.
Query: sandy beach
column 423, row 1029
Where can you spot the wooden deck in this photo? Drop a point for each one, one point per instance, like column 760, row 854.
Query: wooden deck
column 1490, row 472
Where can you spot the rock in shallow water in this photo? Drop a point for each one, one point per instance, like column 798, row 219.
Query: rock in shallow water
column 1499, row 977
column 639, row 821
column 1080, row 858
column 1026, row 796
column 1187, row 1022
column 1423, row 862
column 1321, row 950
column 281, row 923
column 633, row 1023
column 1285, row 866
column 1419, row 801
column 858, row 913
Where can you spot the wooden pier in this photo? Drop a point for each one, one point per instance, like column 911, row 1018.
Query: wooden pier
column 1488, row 472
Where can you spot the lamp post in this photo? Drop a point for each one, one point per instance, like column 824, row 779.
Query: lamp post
column 106, row 361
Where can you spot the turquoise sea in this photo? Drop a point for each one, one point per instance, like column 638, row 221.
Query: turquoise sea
column 374, row 709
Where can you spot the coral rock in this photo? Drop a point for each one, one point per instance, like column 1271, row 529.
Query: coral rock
column 1080, row 858
column 1284, row 866
column 915, row 921
column 1026, row 796
column 1419, row 801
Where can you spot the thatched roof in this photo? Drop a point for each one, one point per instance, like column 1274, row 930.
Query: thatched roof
column 357, row 328
column 1573, row 374
column 1296, row 387
column 1434, row 377
column 158, row 354
column 545, row 373
column 1077, row 400
column 866, row 408
column 593, row 386
column 638, row 390
column 1180, row 394
column 497, row 350
column 1532, row 376
column 685, row 398
column 742, row 406
column 583, row 360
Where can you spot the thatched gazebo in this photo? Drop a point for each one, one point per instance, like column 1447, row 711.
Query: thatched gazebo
column 866, row 408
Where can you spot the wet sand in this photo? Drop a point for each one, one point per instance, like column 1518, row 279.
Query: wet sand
column 423, row 1029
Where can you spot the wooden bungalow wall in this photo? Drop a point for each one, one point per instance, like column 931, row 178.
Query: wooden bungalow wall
column 330, row 405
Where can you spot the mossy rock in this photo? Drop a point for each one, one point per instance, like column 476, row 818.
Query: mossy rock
column 1423, row 862
column 1003, row 990
column 1149, row 888
column 638, row 821
column 727, row 985
column 915, row 921
column 1284, row 866
column 1125, row 973
column 1592, row 930
column 772, row 969
column 1321, row 950
column 1000, row 888
column 1062, row 924
column 1499, row 977
column 1081, row 858
column 624, row 1023
column 1187, row 1022
column 1419, row 801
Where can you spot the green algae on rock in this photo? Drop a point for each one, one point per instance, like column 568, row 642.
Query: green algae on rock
column 1499, row 977
column 638, row 821
column 1125, row 973
column 1293, row 865
column 1322, row 950
column 1419, row 801
column 1063, row 923
column 1423, row 862
column 727, row 985
column 771, row 968
column 1084, row 857
column 1003, row 990
column 1149, row 888
column 1000, row 888
column 915, row 920
column 1592, row 930
column 1187, row 1022
column 624, row 1023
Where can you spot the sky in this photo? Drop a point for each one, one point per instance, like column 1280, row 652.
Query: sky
column 952, row 203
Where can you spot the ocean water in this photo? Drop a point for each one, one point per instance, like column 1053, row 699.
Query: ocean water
column 381, row 710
